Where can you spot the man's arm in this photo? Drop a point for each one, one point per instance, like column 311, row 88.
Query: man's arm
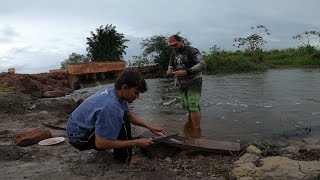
column 171, row 63
column 103, row 143
column 134, row 119
column 200, row 64
column 170, row 67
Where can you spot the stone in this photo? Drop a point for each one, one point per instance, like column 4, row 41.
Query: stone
column 53, row 94
column 253, row 150
column 275, row 167
column 289, row 149
column 31, row 137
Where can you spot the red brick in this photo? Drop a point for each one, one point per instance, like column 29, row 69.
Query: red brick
column 31, row 137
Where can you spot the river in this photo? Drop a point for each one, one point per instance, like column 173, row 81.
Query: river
column 276, row 103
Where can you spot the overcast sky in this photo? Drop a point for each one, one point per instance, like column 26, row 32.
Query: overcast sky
column 36, row 35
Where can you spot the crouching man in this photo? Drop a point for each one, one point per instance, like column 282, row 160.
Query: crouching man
column 102, row 121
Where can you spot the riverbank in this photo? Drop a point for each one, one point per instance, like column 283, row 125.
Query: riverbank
column 293, row 158
column 227, row 62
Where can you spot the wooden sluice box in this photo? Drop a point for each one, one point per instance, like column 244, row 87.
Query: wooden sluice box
column 93, row 71
column 204, row 144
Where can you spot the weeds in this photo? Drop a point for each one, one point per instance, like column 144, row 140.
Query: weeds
column 16, row 106
column 4, row 87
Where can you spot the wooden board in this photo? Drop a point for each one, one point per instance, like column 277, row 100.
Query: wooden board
column 95, row 67
column 204, row 144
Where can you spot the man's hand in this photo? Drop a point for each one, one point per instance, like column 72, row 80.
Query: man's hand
column 180, row 74
column 156, row 130
column 143, row 142
column 169, row 72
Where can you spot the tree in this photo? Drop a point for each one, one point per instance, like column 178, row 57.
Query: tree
column 74, row 58
column 106, row 45
column 140, row 61
column 157, row 50
column 255, row 41
column 308, row 38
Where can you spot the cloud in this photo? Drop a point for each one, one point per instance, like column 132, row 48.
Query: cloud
column 44, row 33
column 7, row 34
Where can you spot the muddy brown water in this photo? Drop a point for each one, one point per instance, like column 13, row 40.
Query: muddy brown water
column 276, row 103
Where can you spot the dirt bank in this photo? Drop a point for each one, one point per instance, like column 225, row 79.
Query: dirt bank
column 35, row 84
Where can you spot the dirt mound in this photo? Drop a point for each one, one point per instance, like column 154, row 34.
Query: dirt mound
column 34, row 84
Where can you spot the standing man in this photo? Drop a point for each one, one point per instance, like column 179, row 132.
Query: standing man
column 103, row 120
column 186, row 64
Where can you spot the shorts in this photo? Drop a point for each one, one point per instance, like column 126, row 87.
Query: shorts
column 190, row 96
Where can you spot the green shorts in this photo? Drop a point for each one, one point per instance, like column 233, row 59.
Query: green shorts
column 190, row 96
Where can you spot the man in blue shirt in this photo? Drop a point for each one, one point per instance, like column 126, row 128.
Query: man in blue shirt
column 103, row 120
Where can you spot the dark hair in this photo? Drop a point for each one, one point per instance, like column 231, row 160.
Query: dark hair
column 132, row 78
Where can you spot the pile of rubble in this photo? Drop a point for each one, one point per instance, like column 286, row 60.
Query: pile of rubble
column 37, row 85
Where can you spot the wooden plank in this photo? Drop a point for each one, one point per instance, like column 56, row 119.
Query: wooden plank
column 58, row 71
column 204, row 144
column 96, row 67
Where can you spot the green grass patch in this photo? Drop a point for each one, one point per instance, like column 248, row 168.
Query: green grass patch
column 224, row 62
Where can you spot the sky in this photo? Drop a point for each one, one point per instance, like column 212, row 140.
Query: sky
column 37, row 35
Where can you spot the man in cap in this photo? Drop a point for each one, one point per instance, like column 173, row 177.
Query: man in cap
column 186, row 64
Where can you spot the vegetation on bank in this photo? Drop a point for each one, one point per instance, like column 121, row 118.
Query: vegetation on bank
column 106, row 44
column 224, row 62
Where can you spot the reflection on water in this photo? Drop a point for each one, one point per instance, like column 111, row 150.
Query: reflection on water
column 242, row 106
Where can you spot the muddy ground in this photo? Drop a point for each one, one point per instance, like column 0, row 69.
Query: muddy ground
column 62, row 161
column 22, row 110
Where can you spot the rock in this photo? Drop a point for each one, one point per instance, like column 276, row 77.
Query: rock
column 289, row 149
column 31, row 137
column 247, row 158
column 65, row 105
column 168, row 159
column 245, row 165
column 311, row 140
column 275, row 167
column 53, row 94
column 253, row 150
column 310, row 147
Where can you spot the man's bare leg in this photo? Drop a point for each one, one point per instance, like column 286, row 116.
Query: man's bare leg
column 195, row 117
column 191, row 132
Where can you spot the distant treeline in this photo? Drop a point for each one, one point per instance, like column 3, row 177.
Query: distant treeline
column 221, row 61
column 106, row 44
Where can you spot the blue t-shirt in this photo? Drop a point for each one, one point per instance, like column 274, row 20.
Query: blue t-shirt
column 102, row 112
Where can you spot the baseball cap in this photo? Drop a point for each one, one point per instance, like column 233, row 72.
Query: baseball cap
column 174, row 39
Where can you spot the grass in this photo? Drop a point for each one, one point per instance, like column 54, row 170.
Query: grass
column 224, row 62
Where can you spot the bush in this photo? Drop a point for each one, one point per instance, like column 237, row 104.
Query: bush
column 228, row 62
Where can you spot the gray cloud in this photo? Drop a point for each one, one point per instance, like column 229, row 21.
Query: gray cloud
column 7, row 34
